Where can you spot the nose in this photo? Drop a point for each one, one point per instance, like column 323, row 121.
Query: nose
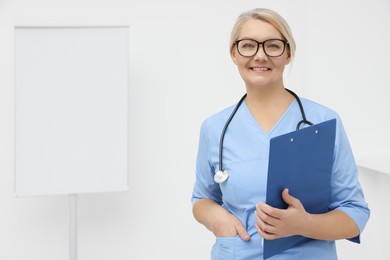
column 260, row 54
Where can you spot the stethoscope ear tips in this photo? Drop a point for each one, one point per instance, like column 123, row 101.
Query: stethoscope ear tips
column 221, row 176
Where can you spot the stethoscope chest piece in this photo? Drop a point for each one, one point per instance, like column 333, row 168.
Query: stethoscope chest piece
column 221, row 176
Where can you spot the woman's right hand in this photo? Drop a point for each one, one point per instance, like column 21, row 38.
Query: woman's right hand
column 218, row 220
column 228, row 225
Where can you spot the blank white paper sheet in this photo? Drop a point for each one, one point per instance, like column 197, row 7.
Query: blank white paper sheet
column 71, row 125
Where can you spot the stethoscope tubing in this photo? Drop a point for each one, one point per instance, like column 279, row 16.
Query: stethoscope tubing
column 303, row 121
column 224, row 130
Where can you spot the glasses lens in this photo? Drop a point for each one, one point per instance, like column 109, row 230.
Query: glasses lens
column 274, row 48
column 247, row 48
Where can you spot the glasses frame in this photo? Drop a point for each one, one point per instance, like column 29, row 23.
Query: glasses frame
column 262, row 45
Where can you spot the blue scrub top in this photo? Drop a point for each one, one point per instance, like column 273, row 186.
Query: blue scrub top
column 245, row 157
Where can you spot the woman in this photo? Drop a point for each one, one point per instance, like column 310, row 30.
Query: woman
column 235, row 210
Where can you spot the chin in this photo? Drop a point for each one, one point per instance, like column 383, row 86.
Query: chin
column 259, row 83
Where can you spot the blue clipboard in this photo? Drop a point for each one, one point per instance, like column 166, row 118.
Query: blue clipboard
column 301, row 161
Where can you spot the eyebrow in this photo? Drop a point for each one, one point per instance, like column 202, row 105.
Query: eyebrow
column 248, row 38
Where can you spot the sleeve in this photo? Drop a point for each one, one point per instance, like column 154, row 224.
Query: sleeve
column 346, row 192
column 205, row 186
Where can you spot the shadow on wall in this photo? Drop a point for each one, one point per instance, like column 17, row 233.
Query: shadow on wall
column 374, row 239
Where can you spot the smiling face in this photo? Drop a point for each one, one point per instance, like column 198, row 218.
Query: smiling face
column 260, row 70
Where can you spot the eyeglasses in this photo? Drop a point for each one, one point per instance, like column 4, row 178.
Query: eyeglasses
column 271, row 47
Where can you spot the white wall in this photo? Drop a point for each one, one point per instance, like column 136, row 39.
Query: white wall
column 180, row 73
column 348, row 69
column 374, row 241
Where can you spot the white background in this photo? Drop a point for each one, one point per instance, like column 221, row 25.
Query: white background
column 180, row 73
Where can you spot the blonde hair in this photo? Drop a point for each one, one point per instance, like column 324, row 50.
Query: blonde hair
column 268, row 16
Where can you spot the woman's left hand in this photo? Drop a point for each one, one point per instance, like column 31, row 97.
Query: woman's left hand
column 272, row 223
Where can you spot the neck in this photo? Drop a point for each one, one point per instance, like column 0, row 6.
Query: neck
column 268, row 105
column 268, row 96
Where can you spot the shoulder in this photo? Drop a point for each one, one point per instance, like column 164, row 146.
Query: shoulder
column 316, row 112
column 213, row 125
column 218, row 120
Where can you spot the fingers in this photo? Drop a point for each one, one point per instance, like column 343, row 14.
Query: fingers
column 265, row 234
column 266, row 230
column 242, row 232
column 272, row 223
column 262, row 216
column 290, row 200
column 265, row 224
column 269, row 211
column 287, row 197
column 230, row 226
column 267, row 221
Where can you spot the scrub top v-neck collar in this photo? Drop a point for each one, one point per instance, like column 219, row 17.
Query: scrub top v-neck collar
column 256, row 128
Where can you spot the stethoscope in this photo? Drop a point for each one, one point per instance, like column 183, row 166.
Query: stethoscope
column 222, row 175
